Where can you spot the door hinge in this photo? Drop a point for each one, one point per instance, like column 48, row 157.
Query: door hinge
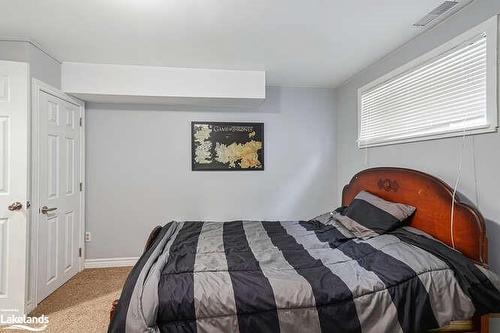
column 81, row 121
column 80, row 252
column 28, row 204
column 81, row 187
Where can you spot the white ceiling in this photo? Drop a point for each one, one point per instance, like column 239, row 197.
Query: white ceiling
column 298, row 42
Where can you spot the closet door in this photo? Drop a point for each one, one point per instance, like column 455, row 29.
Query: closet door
column 13, row 185
column 59, row 193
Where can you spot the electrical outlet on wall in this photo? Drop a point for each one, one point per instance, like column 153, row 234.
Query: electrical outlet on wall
column 88, row 236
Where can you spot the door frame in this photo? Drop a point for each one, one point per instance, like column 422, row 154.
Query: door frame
column 38, row 87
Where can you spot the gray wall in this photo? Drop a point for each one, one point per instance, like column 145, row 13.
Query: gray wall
column 438, row 157
column 139, row 168
column 42, row 66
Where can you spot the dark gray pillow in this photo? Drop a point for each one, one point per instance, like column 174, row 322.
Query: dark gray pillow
column 369, row 216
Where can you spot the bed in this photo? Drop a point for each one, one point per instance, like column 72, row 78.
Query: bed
column 297, row 276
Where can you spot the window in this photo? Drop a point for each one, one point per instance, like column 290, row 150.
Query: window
column 447, row 92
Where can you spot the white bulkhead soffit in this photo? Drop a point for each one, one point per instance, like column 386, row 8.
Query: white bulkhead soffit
column 163, row 85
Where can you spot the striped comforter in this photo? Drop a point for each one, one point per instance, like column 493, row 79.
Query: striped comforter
column 299, row 277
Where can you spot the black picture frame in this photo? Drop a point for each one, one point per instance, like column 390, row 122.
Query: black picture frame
column 227, row 133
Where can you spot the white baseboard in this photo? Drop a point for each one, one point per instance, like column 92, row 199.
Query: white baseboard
column 110, row 262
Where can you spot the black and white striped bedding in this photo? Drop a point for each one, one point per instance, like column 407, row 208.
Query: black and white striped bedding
column 299, row 277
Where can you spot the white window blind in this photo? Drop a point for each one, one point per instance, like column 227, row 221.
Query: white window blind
column 443, row 94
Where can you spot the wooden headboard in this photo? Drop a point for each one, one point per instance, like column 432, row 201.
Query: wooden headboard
column 432, row 198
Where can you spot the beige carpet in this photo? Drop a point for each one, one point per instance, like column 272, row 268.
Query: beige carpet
column 82, row 304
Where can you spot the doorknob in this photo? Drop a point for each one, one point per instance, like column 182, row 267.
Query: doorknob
column 45, row 209
column 15, row 206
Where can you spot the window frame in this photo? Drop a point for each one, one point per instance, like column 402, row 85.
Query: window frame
column 490, row 27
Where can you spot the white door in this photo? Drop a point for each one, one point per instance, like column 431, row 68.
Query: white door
column 59, row 193
column 13, row 185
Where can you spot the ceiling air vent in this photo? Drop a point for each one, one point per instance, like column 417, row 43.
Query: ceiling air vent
column 435, row 13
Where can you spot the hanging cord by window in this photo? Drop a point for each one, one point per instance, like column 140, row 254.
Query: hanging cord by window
column 367, row 161
column 474, row 166
column 459, row 171
column 457, row 182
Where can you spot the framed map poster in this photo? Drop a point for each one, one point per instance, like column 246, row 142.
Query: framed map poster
column 227, row 146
